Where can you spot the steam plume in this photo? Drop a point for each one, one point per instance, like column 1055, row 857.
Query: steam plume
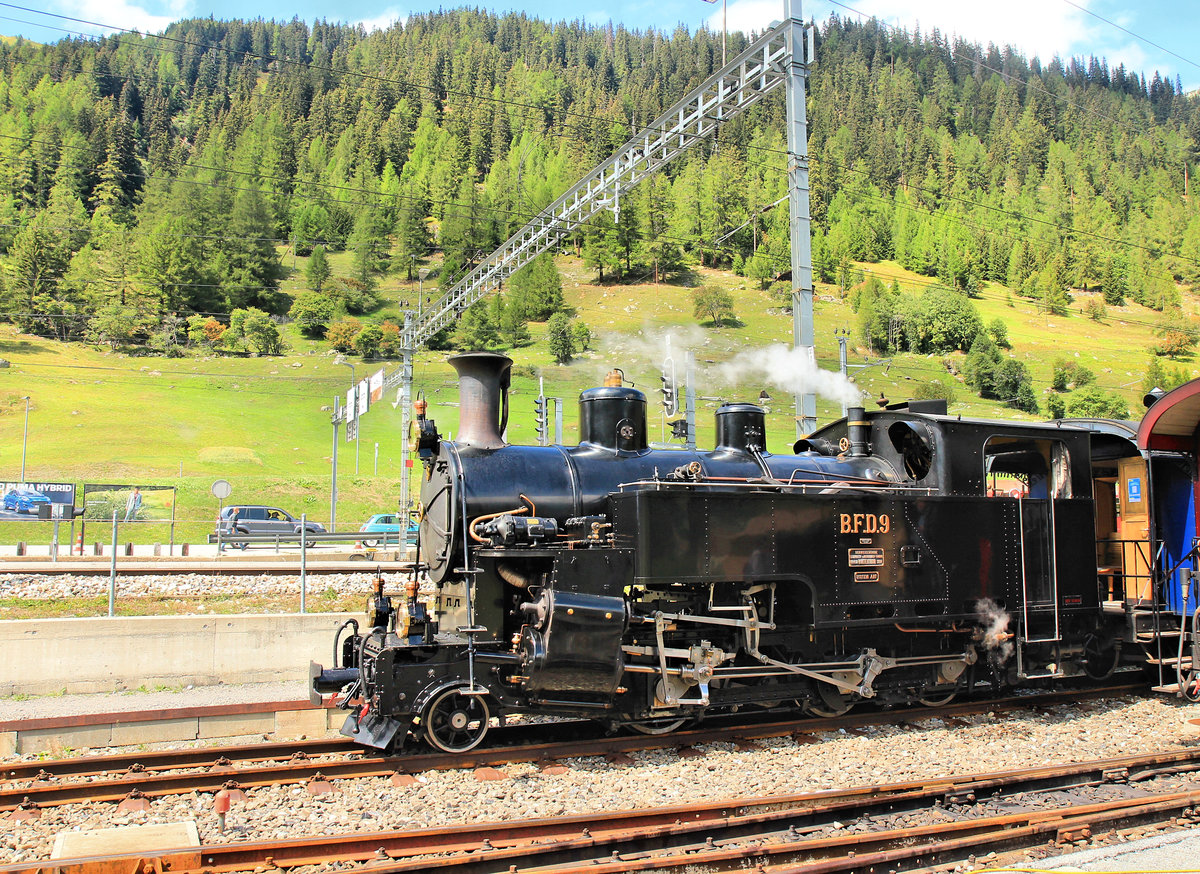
column 994, row 635
column 790, row 370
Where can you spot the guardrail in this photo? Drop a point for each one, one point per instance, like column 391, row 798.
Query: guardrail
column 376, row 538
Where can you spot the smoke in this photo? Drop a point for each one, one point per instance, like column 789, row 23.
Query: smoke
column 994, row 634
column 653, row 343
column 651, row 346
column 789, row 370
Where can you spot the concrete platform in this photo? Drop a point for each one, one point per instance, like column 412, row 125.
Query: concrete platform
column 57, row 656
column 1168, row 852
column 57, row 735
column 132, row 841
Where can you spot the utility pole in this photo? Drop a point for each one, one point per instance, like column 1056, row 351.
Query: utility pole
column 333, row 487
column 406, row 381
column 798, row 208
column 25, row 438
column 842, row 334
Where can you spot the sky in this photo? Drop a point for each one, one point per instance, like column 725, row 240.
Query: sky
column 1148, row 35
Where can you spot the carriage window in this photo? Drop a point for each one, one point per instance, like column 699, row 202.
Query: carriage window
column 1020, row 467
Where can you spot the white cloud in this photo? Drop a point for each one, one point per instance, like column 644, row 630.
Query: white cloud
column 1060, row 29
column 1032, row 27
column 384, row 19
column 747, row 15
column 121, row 13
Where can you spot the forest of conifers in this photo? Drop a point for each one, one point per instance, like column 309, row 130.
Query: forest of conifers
column 171, row 174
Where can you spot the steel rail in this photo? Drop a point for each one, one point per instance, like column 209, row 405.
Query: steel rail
column 766, row 831
column 254, row 773
column 938, row 844
column 151, row 761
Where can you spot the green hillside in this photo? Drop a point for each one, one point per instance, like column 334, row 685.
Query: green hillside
column 168, row 202
column 263, row 423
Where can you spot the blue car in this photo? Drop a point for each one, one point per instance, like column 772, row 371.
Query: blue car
column 24, row 500
column 387, row 524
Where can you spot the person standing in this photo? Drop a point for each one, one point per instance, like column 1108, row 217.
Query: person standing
column 133, row 505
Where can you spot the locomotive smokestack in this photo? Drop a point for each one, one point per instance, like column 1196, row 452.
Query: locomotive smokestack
column 856, row 427
column 483, row 380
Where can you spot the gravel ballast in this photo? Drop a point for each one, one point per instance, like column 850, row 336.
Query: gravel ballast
column 930, row 748
column 885, row 754
column 72, row 586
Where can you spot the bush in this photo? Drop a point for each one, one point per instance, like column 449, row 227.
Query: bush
column 1093, row 403
column 935, row 390
column 340, row 335
column 943, row 321
column 1068, row 374
column 368, row 341
column 714, row 302
column 312, row 313
column 999, row 333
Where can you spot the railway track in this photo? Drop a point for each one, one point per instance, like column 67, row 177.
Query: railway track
column 899, row 826
column 146, row 774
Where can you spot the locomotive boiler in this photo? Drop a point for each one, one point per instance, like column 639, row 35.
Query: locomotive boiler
column 899, row 555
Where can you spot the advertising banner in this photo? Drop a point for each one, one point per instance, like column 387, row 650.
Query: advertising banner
column 132, row 503
column 377, row 386
column 22, row 500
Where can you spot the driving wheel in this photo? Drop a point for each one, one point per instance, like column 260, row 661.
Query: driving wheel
column 456, row 722
column 655, row 727
column 833, row 703
column 1100, row 657
column 933, row 699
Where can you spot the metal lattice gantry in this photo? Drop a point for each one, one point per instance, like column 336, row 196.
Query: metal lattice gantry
column 776, row 58
column 740, row 84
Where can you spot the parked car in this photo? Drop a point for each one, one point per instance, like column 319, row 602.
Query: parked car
column 260, row 519
column 24, row 500
column 389, row 524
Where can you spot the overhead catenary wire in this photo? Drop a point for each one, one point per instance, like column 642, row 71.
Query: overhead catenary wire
column 1126, row 30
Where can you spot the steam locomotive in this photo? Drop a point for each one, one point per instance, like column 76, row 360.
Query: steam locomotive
column 898, row 555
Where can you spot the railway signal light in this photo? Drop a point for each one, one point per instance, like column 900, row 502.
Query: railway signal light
column 668, row 393
column 679, row 429
column 540, row 407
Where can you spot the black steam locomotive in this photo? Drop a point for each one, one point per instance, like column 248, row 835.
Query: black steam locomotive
column 899, row 556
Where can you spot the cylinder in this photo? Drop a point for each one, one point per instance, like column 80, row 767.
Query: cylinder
column 483, row 380
column 741, row 427
column 613, row 417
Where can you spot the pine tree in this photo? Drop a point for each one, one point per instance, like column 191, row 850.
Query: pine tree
column 317, row 271
column 560, row 338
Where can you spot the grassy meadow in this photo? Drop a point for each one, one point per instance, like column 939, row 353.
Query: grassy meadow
column 263, row 424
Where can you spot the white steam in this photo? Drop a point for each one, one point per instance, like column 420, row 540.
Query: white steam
column 777, row 368
column 790, row 370
column 994, row 634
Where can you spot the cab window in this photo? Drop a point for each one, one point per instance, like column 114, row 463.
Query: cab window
column 1023, row 467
